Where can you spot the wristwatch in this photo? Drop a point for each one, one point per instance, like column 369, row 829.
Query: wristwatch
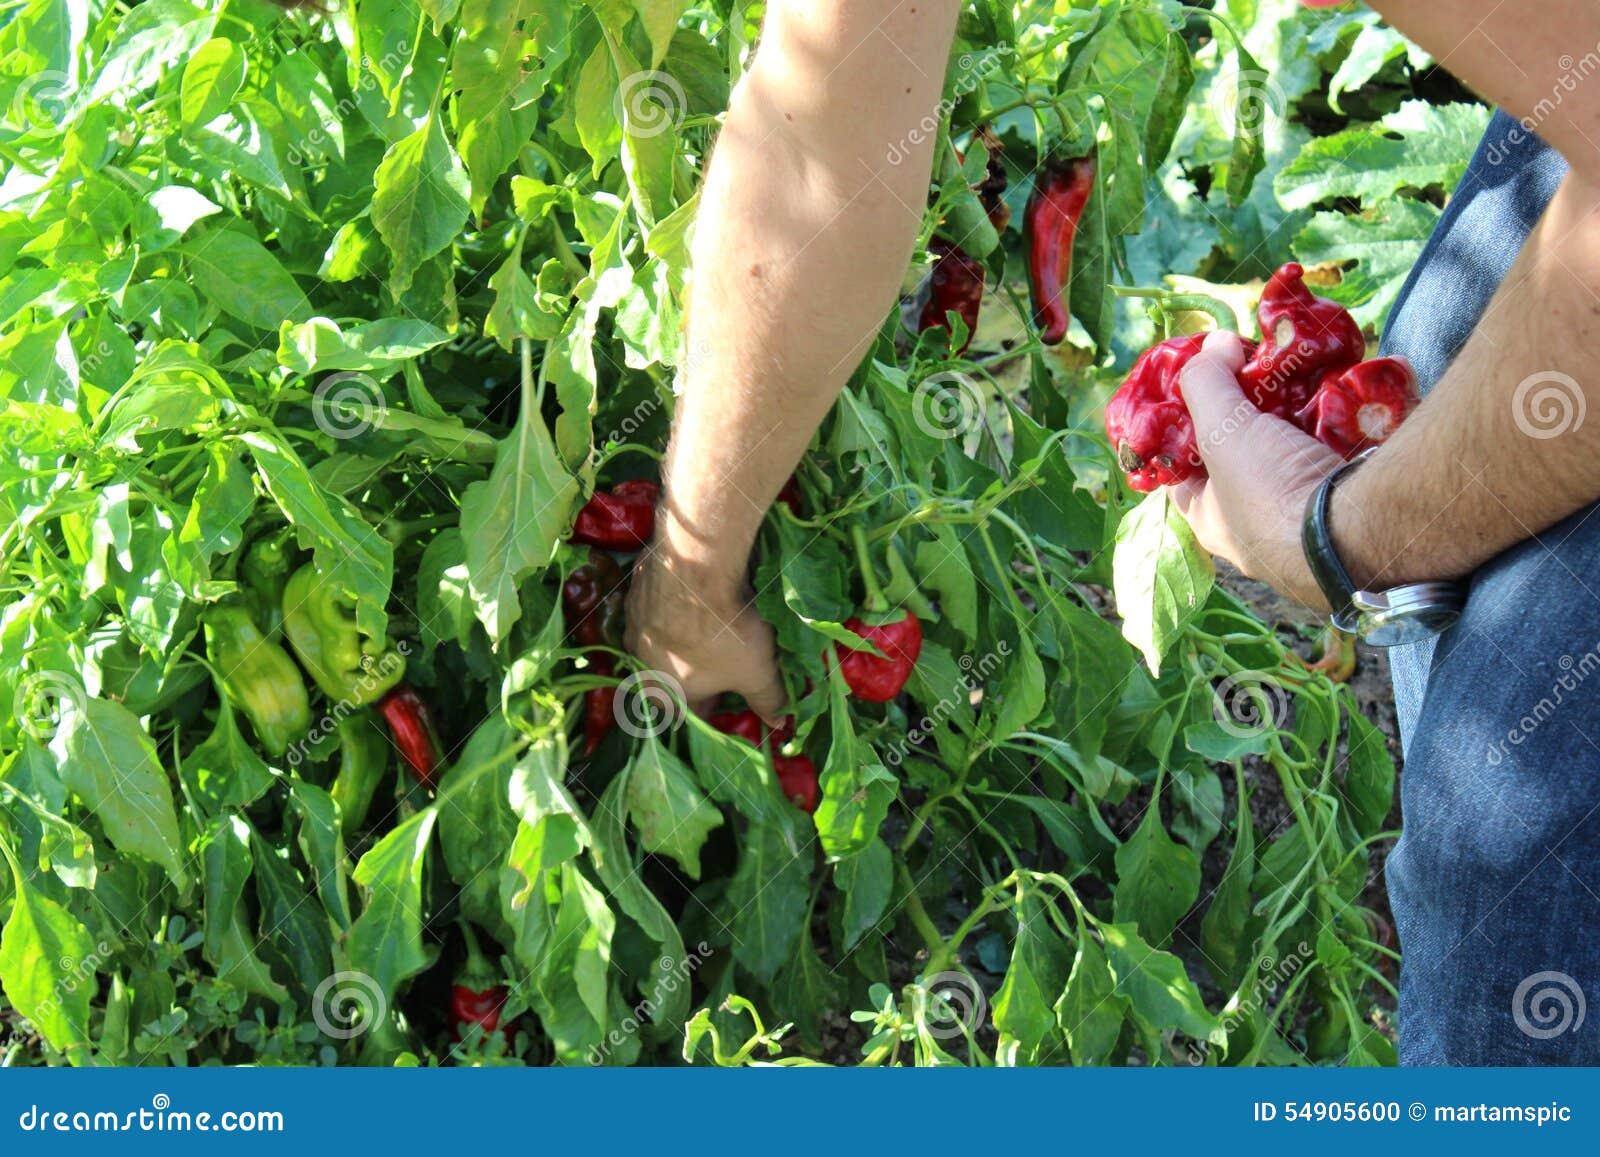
column 1402, row 614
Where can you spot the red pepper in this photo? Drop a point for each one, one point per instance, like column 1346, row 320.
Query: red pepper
column 1360, row 407
column 623, row 519
column 1147, row 422
column 1303, row 338
column 954, row 286
column 411, row 723
column 797, row 777
column 591, row 600
column 1060, row 193
column 476, row 997
column 599, row 705
column 874, row 679
column 791, row 497
column 745, row 725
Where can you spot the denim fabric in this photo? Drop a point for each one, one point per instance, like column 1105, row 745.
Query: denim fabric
column 1495, row 883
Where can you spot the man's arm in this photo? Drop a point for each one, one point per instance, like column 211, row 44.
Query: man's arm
column 1464, row 477
column 801, row 241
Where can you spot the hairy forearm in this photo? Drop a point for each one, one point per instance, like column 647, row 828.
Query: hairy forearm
column 1535, row 61
column 1498, row 451
column 803, row 235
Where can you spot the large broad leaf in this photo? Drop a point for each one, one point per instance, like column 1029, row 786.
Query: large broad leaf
column 514, row 520
column 867, row 881
column 1090, row 1012
column 47, row 966
column 109, row 761
column 1156, row 986
column 243, row 278
column 385, row 942
column 1420, row 146
column 421, row 201
column 1369, row 775
column 1160, row 575
column 767, row 896
column 1158, row 879
column 1384, row 242
column 1024, row 1008
column 1222, row 930
column 672, row 816
column 856, row 788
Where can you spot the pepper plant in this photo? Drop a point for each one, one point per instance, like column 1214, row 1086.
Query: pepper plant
column 329, row 324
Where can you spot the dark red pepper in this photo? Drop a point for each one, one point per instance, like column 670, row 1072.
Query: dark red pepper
column 591, row 600
column 1060, row 193
column 875, row 679
column 1303, row 338
column 1360, row 407
column 791, row 497
column 622, row 519
column 599, row 705
column 797, row 777
column 954, row 286
column 411, row 723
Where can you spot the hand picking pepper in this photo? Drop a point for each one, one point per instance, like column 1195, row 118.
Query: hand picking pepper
column 954, row 286
column 622, row 519
column 1303, row 337
column 1060, row 193
column 363, row 759
column 258, row 678
column 411, row 723
column 350, row 666
column 476, row 994
column 1148, row 424
column 875, row 679
column 1360, row 407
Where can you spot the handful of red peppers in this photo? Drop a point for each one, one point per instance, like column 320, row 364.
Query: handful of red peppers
column 1307, row 369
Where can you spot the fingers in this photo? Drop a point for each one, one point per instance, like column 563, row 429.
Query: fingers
column 768, row 699
column 1211, row 390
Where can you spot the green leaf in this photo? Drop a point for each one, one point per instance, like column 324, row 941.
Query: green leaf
column 1090, row 1012
column 513, row 522
column 867, row 881
column 1022, row 691
column 856, row 789
column 242, row 278
column 1252, row 89
column 1024, row 1008
column 1384, row 242
column 47, row 966
column 377, row 346
column 211, row 79
column 1223, row 928
column 108, row 760
column 1156, row 986
column 767, row 897
column 1419, row 146
column 1160, row 575
column 666, row 807
column 1369, row 775
column 941, row 564
column 385, row 942
column 1158, row 880
column 421, row 201
column 229, row 945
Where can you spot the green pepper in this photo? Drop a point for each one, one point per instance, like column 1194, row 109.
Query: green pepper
column 349, row 665
column 363, row 758
column 264, row 570
column 258, row 678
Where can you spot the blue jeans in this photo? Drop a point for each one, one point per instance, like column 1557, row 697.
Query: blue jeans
column 1495, row 884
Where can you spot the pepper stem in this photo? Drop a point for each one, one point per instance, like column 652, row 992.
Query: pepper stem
column 876, row 602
